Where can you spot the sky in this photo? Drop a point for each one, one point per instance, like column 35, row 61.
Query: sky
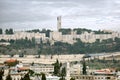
column 39, row 14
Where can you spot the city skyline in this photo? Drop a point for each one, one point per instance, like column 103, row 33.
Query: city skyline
column 38, row 14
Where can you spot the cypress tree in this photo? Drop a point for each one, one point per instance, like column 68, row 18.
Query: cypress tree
column 6, row 31
column 10, row 31
column 9, row 77
column 1, row 31
column 1, row 74
column 43, row 76
column 26, row 77
column 84, row 67
column 21, row 78
column 63, row 72
column 57, row 68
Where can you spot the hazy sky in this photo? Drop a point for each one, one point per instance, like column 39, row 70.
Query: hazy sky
column 34, row 14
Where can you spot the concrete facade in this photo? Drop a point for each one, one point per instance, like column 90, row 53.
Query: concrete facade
column 84, row 37
column 23, row 35
column 94, row 77
column 42, row 68
column 58, row 36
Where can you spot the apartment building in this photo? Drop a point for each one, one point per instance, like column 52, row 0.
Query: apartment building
column 45, row 68
column 84, row 37
column 23, row 35
column 97, row 75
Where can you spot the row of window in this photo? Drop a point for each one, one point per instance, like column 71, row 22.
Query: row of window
column 92, row 78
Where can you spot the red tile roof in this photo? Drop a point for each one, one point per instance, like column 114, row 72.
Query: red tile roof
column 10, row 60
column 23, row 68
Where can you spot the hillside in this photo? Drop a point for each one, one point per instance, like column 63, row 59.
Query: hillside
column 26, row 46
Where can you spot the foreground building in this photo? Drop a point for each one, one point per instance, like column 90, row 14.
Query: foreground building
column 97, row 75
column 42, row 68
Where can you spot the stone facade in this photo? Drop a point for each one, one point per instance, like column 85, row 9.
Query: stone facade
column 42, row 68
column 58, row 36
column 23, row 35
column 94, row 77
column 84, row 37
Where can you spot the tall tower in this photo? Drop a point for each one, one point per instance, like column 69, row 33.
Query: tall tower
column 58, row 23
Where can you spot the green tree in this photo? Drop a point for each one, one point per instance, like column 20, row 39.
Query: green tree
column 63, row 72
column 21, row 78
column 26, row 77
column 31, row 72
column 21, row 55
column 39, row 53
column 48, row 33
column 56, row 68
column 65, row 31
column 1, row 74
column 72, row 78
column 84, row 67
column 43, row 30
column 6, row 31
column 1, row 31
column 62, row 78
column 10, row 31
column 8, row 77
column 43, row 77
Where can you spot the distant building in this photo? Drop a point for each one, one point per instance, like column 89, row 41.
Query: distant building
column 47, row 78
column 45, row 68
column 23, row 35
column 84, row 37
column 75, row 69
column 4, row 43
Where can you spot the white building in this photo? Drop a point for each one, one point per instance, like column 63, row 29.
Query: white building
column 84, row 37
column 42, row 68
column 23, row 35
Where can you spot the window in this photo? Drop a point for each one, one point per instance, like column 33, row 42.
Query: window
column 107, row 77
column 83, row 77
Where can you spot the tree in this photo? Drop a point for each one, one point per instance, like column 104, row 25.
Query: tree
column 65, row 31
column 39, row 52
column 1, row 31
column 84, row 67
column 10, row 31
column 21, row 55
column 48, row 33
column 6, row 31
column 62, row 78
column 63, row 72
column 1, row 74
column 26, row 77
column 72, row 78
column 56, row 68
column 31, row 72
column 21, row 78
column 43, row 77
column 9, row 77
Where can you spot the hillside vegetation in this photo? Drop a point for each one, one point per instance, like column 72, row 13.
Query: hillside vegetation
column 61, row 48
